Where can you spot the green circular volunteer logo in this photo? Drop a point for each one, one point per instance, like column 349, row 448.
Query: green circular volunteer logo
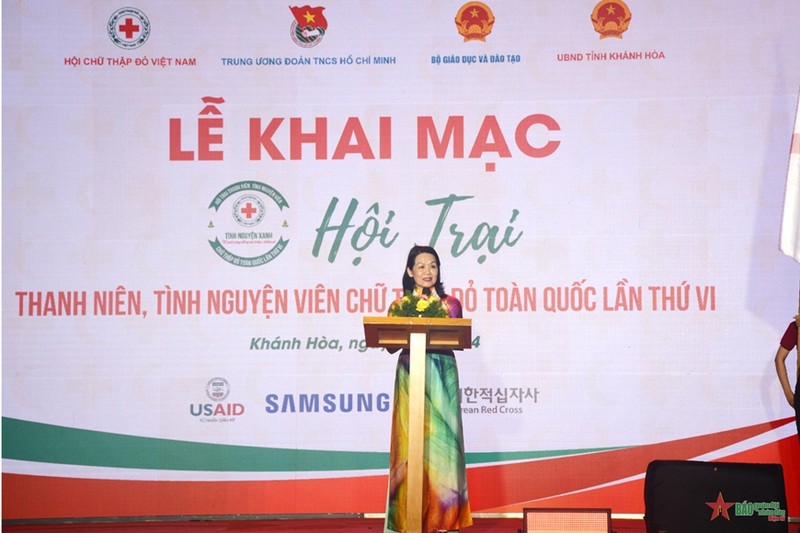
column 248, row 224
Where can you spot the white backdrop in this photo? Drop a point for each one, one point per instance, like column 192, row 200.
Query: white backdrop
column 627, row 285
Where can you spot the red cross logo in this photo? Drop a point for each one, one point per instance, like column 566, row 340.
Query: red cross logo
column 248, row 210
column 129, row 28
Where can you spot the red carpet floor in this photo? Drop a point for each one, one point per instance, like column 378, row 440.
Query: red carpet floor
column 332, row 525
column 328, row 525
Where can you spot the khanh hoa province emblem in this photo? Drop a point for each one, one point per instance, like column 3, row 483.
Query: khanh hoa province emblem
column 611, row 18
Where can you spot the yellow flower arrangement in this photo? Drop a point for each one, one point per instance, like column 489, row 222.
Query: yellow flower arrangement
column 417, row 305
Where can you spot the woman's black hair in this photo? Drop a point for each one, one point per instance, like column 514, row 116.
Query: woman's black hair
column 408, row 281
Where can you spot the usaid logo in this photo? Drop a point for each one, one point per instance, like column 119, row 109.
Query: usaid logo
column 217, row 390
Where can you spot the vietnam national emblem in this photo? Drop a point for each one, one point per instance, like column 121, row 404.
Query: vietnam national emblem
column 611, row 18
column 474, row 21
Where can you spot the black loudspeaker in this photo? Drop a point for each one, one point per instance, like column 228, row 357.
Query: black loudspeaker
column 696, row 496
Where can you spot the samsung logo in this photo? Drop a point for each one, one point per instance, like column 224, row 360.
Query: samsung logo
column 327, row 403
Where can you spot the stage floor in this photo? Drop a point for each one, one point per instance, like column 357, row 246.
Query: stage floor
column 325, row 525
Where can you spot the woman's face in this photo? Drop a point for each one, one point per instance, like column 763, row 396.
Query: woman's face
column 425, row 271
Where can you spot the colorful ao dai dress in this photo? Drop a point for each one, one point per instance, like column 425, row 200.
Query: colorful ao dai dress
column 445, row 499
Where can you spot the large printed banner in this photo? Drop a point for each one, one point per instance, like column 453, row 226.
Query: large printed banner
column 202, row 200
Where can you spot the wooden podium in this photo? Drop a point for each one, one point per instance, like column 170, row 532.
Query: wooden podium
column 418, row 335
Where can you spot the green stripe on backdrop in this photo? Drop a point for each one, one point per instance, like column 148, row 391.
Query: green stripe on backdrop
column 46, row 443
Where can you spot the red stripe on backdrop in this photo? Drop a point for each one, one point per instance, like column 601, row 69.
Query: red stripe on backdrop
column 562, row 481
column 785, row 452
column 26, row 497
column 507, row 487
column 628, row 497
column 621, row 499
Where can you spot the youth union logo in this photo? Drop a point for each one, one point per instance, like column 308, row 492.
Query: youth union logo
column 309, row 25
column 128, row 28
column 248, row 223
